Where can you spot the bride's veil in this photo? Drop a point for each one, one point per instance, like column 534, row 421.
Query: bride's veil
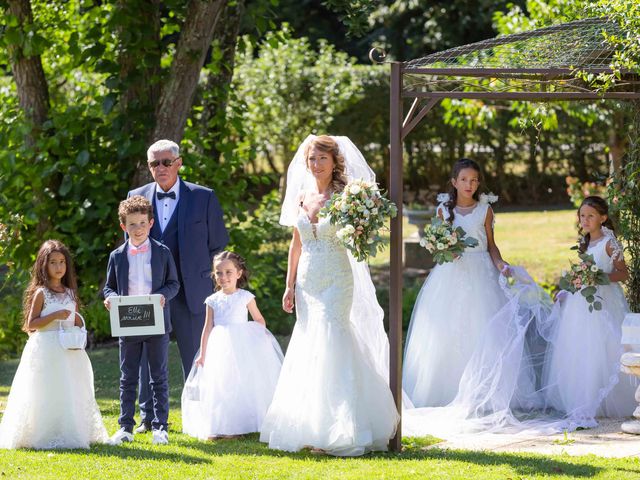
column 366, row 314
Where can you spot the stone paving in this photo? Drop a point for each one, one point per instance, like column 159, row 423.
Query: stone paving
column 607, row 440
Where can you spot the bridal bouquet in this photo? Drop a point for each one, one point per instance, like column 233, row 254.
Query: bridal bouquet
column 444, row 242
column 584, row 277
column 360, row 211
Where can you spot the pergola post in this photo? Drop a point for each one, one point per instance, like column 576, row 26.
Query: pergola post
column 395, row 260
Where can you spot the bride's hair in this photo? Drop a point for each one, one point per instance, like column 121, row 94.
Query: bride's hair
column 453, row 193
column 40, row 277
column 237, row 261
column 600, row 206
column 325, row 143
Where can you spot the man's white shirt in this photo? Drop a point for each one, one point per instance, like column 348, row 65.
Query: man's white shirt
column 167, row 205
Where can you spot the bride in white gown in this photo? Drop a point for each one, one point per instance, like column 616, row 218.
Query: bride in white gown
column 333, row 393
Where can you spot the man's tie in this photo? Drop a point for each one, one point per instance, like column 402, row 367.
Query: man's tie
column 162, row 195
column 133, row 250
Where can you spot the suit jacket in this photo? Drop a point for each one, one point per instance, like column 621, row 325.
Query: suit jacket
column 164, row 276
column 201, row 234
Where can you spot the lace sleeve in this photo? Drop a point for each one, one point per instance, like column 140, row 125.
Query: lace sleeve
column 617, row 252
column 493, row 216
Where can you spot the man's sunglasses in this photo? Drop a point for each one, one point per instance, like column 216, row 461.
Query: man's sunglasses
column 166, row 162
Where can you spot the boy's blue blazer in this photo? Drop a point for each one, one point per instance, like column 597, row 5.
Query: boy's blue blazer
column 164, row 276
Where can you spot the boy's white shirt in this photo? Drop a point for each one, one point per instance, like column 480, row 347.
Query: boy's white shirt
column 140, row 270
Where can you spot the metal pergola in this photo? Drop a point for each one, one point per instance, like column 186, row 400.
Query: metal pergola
column 538, row 65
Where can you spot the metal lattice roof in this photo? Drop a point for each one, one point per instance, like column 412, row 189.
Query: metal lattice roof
column 578, row 45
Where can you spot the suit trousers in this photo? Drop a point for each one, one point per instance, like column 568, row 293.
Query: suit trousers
column 187, row 328
column 157, row 357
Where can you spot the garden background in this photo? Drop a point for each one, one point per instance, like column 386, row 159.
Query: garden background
column 86, row 86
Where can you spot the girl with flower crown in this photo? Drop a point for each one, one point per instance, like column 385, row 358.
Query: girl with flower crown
column 458, row 298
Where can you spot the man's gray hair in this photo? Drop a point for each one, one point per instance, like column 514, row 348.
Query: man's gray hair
column 163, row 146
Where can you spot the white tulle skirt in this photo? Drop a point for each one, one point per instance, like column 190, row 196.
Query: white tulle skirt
column 230, row 395
column 582, row 376
column 451, row 314
column 537, row 369
column 329, row 395
column 51, row 404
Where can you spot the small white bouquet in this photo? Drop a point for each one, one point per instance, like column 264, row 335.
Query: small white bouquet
column 360, row 211
column 444, row 242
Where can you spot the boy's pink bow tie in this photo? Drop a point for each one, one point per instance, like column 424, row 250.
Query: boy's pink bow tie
column 136, row 250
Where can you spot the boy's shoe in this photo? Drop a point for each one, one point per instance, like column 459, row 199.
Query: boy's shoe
column 122, row 435
column 144, row 427
column 160, row 436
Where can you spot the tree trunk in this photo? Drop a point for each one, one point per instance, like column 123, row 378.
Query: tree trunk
column 139, row 62
column 139, row 65
column 177, row 95
column 218, row 83
column 33, row 91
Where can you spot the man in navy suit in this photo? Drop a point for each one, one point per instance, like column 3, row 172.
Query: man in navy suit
column 188, row 220
column 142, row 266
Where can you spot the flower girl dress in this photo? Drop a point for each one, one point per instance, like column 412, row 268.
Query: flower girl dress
column 231, row 393
column 51, row 403
column 582, row 374
column 450, row 315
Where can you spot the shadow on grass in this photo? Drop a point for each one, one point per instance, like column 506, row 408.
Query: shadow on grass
column 523, row 464
column 138, row 452
column 414, row 449
column 189, row 450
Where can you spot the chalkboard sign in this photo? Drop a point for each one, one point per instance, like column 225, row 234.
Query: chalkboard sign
column 136, row 315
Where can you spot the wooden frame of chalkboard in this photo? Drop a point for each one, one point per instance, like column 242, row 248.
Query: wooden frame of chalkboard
column 136, row 315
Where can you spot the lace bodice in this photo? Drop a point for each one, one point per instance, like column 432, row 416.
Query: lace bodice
column 229, row 308
column 599, row 251
column 53, row 302
column 472, row 222
column 318, row 237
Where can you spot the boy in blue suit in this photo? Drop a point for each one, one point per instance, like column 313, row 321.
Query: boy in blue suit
column 142, row 266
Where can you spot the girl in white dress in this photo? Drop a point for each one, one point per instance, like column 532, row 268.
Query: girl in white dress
column 236, row 370
column 51, row 403
column 333, row 395
column 582, row 373
column 458, row 299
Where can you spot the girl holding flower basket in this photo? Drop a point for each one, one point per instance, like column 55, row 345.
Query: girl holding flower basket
column 582, row 371
column 459, row 297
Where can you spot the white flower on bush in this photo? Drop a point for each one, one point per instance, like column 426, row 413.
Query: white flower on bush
column 594, row 268
column 440, row 246
column 374, row 211
column 354, row 189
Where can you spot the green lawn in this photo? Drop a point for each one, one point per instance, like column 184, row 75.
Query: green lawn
column 247, row 458
column 539, row 241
